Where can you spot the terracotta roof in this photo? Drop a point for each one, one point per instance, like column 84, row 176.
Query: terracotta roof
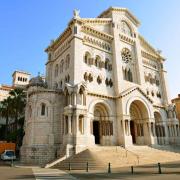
column 6, row 87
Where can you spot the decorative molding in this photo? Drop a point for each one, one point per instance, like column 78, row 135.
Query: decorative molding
column 148, row 55
column 160, row 106
column 91, row 31
column 98, row 43
column 61, row 49
column 59, row 40
column 150, row 63
column 116, row 9
column 44, row 91
column 151, row 52
column 101, row 95
column 97, row 20
column 130, row 90
column 126, row 39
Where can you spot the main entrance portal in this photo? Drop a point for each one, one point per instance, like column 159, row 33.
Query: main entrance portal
column 96, row 132
column 132, row 129
column 138, row 123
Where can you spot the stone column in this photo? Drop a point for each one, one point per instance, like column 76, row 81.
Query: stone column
column 70, row 99
column 69, row 125
column 77, row 124
column 175, row 130
column 129, row 130
column 75, row 98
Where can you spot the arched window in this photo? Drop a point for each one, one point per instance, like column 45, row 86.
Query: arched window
column 130, row 76
column 67, row 61
column 106, row 63
column 97, row 61
column 56, row 70
column 126, row 28
column 107, row 82
column 99, row 80
column 82, row 96
column 62, row 65
column 87, row 58
column 127, row 75
column 152, row 93
column 43, row 109
column 90, row 77
column 110, row 82
column 85, row 76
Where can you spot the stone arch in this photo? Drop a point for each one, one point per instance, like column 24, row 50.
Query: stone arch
column 128, row 24
column 139, row 122
column 82, row 95
column 140, row 99
column 39, row 105
column 97, row 61
column 101, row 123
column 87, row 57
column 105, row 103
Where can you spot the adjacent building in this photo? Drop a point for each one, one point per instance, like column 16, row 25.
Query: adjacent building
column 20, row 79
column 105, row 85
column 176, row 101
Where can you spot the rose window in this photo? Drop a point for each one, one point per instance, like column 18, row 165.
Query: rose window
column 126, row 55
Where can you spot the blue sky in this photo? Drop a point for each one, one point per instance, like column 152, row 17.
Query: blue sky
column 28, row 26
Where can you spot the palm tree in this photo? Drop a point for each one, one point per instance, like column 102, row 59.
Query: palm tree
column 18, row 103
column 6, row 112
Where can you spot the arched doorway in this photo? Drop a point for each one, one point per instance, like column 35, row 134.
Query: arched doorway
column 139, row 123
column 101, row 125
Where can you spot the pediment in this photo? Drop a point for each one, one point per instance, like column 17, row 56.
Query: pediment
column 133, row 89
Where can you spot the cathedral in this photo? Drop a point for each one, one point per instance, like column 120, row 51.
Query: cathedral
column 105, row 86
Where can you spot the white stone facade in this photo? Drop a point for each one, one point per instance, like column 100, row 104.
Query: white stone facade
column 104, row 85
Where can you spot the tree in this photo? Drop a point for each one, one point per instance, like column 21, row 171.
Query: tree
column 6, row 111
column 18, row 104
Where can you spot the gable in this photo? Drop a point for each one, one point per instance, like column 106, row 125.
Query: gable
column 132, row 89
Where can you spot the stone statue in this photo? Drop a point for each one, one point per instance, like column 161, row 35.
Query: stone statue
column 171, row 111
column 76, row 13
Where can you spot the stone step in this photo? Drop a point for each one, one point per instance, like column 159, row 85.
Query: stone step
column 98, row 157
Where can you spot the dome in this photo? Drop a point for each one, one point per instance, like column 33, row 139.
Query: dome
column 37, row 81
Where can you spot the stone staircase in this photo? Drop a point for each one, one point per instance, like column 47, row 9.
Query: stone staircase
column 98, row 157
column 150, row 155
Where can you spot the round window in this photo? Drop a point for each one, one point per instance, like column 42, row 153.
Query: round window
column 126, row 55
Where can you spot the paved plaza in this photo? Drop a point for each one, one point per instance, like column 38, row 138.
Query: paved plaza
column 170, row 171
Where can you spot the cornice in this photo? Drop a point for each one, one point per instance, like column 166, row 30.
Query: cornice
column 159, row 106
column 116, row 9
column 60, row 39
column 127, row 39
column 101, row 95
column 148, row 55
column 99, row 34
column 38, row 91
column 147, row 45
column 88, row 40
column 97, row 20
